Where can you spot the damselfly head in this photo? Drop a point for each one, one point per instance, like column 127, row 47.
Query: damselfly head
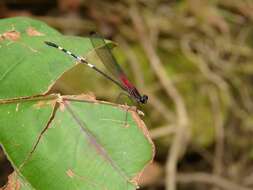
column 144, row 99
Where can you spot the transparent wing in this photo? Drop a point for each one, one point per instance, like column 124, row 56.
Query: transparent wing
column 107, row 58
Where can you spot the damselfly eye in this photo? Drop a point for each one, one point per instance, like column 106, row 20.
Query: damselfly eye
column 144, row 99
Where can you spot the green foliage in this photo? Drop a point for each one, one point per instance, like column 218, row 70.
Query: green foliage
column 62, row 142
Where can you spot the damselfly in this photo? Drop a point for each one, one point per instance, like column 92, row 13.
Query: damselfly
column 103, row 51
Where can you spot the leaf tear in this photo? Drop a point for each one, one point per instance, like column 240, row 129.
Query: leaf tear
column 56, row 105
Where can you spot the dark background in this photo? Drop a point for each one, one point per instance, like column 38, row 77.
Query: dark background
column 194, row 60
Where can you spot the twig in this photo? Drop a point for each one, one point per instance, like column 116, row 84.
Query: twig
column 160, row 107
column 204, row 69
column 162, row 131
column 180, row 139
column 218, row 181
column 219, row 133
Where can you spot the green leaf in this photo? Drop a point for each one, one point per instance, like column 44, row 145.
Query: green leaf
column 62, row 142
column 28, row 66
column 87, row 143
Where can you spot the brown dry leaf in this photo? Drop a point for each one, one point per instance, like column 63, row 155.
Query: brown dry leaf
column 151, row 174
